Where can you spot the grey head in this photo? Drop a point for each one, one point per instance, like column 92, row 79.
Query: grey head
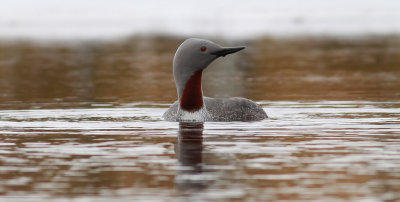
column 194, row 55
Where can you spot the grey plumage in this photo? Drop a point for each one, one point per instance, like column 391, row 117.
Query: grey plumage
column 225, row 110
column 191, row 58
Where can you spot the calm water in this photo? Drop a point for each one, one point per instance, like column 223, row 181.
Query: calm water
column 347, row 150
column 82, row 122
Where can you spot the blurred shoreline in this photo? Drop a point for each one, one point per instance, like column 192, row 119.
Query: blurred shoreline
column 393, row 36
column 233, row 19
column 57, row 73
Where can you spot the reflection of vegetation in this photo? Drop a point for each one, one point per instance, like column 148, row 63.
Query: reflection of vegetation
column 325, row 53
column 326, row 68
column 132, row 70
column 140, row 69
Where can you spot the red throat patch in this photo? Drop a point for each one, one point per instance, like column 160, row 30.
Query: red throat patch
column 192, row 97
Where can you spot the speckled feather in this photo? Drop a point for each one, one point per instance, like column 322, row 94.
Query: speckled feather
column 225, row 109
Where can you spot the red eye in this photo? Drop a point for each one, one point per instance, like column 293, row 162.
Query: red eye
column 203, row 48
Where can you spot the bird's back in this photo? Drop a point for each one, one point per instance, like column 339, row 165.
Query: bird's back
column 225, row 109
column 234, row 109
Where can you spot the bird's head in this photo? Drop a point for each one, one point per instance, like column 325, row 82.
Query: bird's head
column 194, row 55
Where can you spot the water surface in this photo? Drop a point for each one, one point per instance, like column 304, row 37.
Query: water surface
column 82, row 122
column 332, row 150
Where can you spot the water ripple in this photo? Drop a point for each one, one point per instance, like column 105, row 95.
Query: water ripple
column 336, row 150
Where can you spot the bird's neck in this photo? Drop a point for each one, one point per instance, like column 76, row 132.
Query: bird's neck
column 192, row 96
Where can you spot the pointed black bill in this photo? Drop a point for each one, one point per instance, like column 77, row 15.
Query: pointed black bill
column 226, row 51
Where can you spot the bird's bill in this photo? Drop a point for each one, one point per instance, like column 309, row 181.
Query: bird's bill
column 227, row 51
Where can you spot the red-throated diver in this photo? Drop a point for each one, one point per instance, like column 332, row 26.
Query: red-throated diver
column 191, row 58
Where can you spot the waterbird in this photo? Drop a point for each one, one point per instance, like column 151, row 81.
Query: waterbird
column 191, row 58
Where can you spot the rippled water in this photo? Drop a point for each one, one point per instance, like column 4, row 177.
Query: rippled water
column 82, row 122
column 330, row 150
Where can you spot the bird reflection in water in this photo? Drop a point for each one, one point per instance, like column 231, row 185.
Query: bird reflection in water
column 190, row 177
